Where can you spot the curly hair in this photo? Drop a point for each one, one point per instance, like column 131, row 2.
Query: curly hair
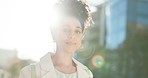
column 77, row 8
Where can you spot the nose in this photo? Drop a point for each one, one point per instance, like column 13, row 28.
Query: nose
column 71, row 35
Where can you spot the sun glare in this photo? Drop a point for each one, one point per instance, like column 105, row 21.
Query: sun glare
column 25, row 27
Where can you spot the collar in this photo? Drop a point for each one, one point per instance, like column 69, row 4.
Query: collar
column 47, row 66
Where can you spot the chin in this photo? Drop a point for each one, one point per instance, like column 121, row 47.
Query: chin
column 70, row 50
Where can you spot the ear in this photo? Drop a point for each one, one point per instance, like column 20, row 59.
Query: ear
column 52, row 33
column 53, row 37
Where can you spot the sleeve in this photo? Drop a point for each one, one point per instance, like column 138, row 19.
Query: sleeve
column 25, row 72
column 91, row 75
column 89, row 72
column 21, row 75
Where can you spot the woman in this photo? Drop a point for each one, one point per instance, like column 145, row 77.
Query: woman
column 67, row 33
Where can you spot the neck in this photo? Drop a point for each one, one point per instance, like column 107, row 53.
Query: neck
column 62, row 58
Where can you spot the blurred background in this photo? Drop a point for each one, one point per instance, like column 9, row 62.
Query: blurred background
column 116, row 46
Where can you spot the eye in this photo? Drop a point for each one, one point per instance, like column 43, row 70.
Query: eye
column 65, row 30
column 78, row 31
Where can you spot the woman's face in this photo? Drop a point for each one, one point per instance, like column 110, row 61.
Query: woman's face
column 69, row 34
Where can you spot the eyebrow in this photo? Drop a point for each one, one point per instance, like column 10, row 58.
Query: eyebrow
column 76, row 26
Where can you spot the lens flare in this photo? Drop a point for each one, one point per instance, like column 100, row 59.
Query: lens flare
column 97, row 61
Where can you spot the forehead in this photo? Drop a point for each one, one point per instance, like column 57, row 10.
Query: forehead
column 70, row 21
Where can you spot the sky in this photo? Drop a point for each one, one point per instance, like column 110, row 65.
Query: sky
column 24, row 26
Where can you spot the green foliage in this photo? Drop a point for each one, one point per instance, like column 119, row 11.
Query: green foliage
column 128, row 61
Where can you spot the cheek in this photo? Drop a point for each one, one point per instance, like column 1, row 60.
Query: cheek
column 60, row 36
column 78, row 45
column 79, row 41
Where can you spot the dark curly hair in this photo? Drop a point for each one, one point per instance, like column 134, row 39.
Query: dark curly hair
column 77, row 8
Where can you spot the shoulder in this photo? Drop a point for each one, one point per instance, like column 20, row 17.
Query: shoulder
column 87, row 70
column 84, row 68
column 26, row 71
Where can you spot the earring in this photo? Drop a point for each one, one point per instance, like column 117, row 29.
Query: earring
column 54, row 46
column 82, row 45
column 82, row 42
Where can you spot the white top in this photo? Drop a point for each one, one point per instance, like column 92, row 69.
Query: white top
column 63, row 75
